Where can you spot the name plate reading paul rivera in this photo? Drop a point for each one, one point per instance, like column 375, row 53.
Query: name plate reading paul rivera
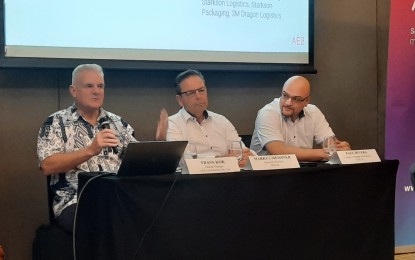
column 354, row 156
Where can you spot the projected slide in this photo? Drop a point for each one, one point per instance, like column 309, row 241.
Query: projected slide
column 269, row 31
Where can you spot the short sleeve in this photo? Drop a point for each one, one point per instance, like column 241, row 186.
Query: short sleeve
column 49, row 140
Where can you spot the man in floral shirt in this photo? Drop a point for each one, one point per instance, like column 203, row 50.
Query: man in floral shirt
column 81, row 138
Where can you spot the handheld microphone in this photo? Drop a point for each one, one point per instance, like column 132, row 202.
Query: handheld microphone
column 105, row 124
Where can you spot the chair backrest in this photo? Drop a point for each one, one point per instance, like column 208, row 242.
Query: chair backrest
column 246, row 139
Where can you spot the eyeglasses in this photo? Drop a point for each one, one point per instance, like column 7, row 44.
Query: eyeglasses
column 192, row 93
column 296, row 99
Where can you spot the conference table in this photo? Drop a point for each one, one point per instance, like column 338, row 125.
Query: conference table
column 322, row 212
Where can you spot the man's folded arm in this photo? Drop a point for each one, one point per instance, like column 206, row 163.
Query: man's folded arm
column 62, row 162
column 302, row 154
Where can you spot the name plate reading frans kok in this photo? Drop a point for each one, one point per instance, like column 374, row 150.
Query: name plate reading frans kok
column 354, row 157
column 212, row 165
column 270, row 162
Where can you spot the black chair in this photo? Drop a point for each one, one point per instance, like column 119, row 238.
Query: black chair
column 246, row 139
column 51, row 242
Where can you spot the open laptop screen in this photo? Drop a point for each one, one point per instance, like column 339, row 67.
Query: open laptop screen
column 151, row 157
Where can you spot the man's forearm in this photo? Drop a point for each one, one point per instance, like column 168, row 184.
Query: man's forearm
column 62, row 162
column 302, row 154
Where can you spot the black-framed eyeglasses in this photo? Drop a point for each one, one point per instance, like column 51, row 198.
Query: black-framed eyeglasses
column 296, row 99
column 192, row 93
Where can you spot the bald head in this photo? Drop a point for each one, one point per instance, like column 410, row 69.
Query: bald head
column 297, row 86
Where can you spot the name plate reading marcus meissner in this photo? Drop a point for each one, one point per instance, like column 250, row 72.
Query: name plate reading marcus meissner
column 212, row 165
column 270, row 162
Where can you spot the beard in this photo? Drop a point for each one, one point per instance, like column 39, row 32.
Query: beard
column 287, row 111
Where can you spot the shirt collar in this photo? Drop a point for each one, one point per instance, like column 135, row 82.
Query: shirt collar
column 77, row 116
column 188, row 116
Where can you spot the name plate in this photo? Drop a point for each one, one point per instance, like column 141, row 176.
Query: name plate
column 354, row 157
column 271, row 162
column 212, row 165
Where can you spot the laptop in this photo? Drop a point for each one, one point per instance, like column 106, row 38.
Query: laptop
column 151, row 158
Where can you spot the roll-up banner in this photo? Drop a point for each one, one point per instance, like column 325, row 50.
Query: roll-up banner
column 400, row 117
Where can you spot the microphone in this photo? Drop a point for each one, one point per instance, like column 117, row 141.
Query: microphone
column 105, row 124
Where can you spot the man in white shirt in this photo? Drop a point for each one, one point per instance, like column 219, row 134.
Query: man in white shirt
column 291, row 125
column 209, row 131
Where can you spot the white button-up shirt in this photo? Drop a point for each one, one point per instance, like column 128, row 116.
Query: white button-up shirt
column 272, row 125
column 210, row 136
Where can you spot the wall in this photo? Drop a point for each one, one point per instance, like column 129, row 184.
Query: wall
column 350, row 56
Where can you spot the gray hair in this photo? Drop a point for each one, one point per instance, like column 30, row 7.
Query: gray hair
column 84, row 67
